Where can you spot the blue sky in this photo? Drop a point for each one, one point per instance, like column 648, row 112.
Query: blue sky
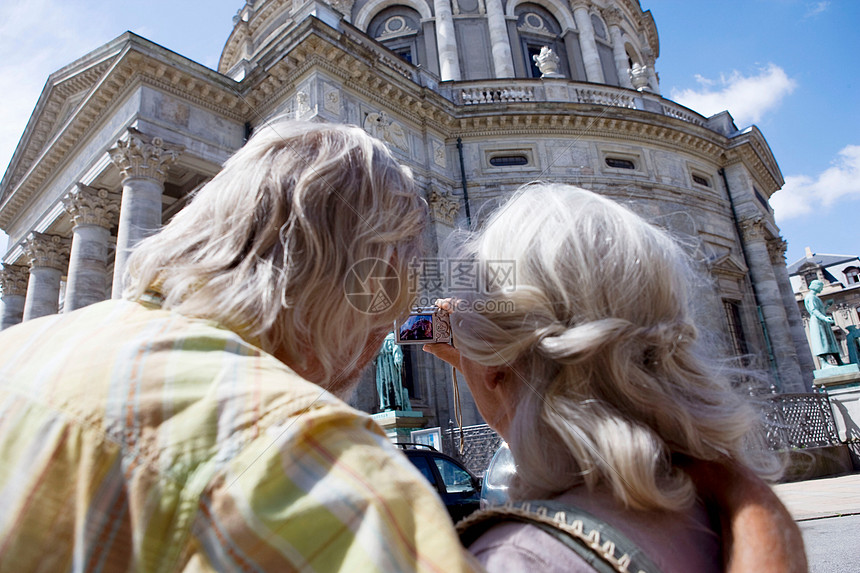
column 788, row 66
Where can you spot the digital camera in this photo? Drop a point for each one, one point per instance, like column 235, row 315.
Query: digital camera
column 424, row 326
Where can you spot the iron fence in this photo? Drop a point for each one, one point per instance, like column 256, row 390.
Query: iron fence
column 798, row 421
column 791, row 421
column 479, row 444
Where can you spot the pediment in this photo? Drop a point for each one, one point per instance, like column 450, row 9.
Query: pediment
column 728, row 265
column 63, row 94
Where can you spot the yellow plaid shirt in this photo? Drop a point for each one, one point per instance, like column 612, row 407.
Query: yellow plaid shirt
column 136, row 439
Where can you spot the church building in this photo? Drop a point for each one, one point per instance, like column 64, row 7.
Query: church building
column 477, row 97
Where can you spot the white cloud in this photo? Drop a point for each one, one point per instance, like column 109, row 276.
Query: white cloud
column 37, row 38
column 816, row 8
column 747, row 98
column 803, row 195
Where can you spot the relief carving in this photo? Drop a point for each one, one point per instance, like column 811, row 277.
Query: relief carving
column 383, row 127
column 443, row 206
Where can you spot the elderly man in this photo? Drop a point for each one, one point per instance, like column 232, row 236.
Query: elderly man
column 196, row 424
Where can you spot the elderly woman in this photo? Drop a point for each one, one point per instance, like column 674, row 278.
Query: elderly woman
column 608, row 400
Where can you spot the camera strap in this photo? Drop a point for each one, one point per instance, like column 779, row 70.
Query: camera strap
column 458, row 409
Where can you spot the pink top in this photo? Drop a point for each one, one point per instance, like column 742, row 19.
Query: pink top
column 676, row 542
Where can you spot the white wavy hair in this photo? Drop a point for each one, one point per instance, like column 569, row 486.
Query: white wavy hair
column 266, row 247
column 612, row 383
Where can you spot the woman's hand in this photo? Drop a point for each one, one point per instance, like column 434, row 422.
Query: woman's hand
column 445, row 352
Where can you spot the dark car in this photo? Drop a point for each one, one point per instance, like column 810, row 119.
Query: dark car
column 458, row 488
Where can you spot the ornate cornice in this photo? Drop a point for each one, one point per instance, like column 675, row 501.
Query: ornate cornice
column 50, row 251
column 142, row 156
column 88, row 206
column 13, row 280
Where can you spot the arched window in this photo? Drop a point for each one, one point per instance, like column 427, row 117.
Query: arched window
column 538, row 28
column 852, row 275
column 398, row 28
column 604, row 50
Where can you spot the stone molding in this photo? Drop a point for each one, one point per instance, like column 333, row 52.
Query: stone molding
column 51, row 251
column 13, row 280
column 88, row 206
column 443, row 205
column 143, row 156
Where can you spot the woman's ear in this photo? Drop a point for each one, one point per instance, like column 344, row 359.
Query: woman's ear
column 496, row 376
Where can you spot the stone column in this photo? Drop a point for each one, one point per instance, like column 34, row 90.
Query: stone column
column 13, row 282
column 93, row 213
column 776, row 248
column 49, row 259
column 502, row 59
column 772, row 305
column 446, row 41
column 587, row 43
column 142, row 161
column 650, row 66
column 613, row 20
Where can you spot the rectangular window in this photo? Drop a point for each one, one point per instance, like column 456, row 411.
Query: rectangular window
column 736, row 331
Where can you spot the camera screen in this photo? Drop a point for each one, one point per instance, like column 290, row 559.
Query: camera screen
column 418, row 327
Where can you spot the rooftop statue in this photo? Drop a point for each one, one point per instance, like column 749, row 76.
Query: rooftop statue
column 547, row 63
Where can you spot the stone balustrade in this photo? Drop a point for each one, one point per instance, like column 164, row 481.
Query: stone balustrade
column 530, row 90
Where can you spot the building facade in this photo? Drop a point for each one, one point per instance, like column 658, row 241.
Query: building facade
column 841, row 277
column 477, row 96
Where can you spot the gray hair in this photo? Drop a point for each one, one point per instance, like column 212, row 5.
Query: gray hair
column 266, row 248
column 612, row 382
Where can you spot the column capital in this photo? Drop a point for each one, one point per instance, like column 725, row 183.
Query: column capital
column 13, row 280
column 89, row 206
column 612, row 16
column 50, row 251
column 776, row 248
column 574, row 4
column 752, row 228
column 140, row 155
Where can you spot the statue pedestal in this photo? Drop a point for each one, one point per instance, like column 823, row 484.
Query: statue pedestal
column 843, row 387
column 844, row 372
column 398, row 424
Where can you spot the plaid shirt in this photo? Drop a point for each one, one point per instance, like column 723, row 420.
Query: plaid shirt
column 134, row 438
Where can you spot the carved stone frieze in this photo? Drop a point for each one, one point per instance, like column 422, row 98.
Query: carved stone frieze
column 50, row 251
column 13, row 280
column 303, row 104
column 143, row 156
column 388, row 130
column 89, row 206
column 439, row 154
column 443, row 206
column 332, row 100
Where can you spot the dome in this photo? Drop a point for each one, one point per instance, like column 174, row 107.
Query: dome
column 602, row 42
